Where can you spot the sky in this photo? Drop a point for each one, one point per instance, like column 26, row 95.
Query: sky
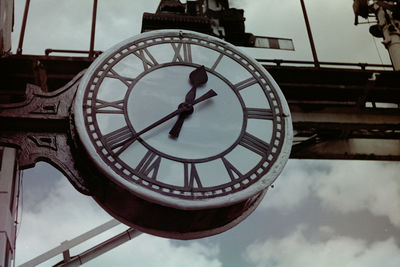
column 320, row 212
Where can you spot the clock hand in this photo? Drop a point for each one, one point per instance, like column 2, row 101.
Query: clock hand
column 197, row 78
column 184, row 107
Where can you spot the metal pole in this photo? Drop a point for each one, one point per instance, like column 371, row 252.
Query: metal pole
column 93, row 29
column 9, row 191
column 65, row 246
column 310, row 37
column 22, row 34
column 100, row 249
column 391, row 33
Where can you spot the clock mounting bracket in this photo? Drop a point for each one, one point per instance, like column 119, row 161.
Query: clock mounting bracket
column 39, row 128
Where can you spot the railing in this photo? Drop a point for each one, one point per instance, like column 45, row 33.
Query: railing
column 296, row 63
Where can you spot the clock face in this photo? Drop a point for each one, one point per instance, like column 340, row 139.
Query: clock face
column 235, row 131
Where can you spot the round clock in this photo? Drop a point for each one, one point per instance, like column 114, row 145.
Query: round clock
column 184, row 132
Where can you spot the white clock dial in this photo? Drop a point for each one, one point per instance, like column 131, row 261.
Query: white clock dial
column 183, row 120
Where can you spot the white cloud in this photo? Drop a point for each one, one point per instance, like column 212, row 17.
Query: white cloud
column 348, row 186
column 355, row 186
column 296, row 250
column 150, row 251
column 290, row 189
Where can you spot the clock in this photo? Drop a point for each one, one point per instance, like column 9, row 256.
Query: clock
column 181, row 132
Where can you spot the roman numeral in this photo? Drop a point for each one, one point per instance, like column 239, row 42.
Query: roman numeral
column 191, row 176
column 115, row 107
column 217, row 62
column 119, row 139
column 259, row 113
column 254, row 144
column 125, row 80
column 186, row 52
column 149, row 164
column 232, row 171
column 245, row 83
column 147, row 58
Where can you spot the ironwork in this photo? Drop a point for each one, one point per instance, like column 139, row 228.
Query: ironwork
column 39, row 127
column 211, row 17
column 359, row 84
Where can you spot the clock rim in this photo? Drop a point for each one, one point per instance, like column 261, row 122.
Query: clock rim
column 168, row 200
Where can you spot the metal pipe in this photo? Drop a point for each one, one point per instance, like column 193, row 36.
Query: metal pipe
column 22, row 34
column 93, row 28
column 314, row 52
column 280, row 62
column 101, row 248
column 48, row 51
column 70, row 244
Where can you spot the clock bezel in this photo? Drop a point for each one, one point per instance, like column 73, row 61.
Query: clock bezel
column 173, row 200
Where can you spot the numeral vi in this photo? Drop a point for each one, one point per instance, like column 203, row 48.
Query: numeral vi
column 191, row 177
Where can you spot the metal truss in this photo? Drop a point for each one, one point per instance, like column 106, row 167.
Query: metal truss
column 339, row 110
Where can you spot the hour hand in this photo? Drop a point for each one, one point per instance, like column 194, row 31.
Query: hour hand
column 178, row 125
column 174, row 132
column 197, row 78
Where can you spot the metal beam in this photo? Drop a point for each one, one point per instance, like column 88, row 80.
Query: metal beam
column 334, row 104
column 352, row 148
column 100, row 249
column 65, row 246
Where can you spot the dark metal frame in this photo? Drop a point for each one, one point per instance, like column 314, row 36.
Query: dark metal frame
column 40, row 128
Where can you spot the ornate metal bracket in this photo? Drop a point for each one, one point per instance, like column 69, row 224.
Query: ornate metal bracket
column 40, row 128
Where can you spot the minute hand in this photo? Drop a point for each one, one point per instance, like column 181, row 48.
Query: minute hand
column 186, row 107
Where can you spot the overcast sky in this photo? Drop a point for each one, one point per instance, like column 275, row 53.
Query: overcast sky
column 320, row 213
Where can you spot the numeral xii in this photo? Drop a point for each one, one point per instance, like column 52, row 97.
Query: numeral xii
column 186, row 52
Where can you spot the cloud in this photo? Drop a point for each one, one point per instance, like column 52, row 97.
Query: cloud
column 296, row 250
column 342, row 186
column 292, row 187
column 64, row 214
column 150, row 251
column 356, row 186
